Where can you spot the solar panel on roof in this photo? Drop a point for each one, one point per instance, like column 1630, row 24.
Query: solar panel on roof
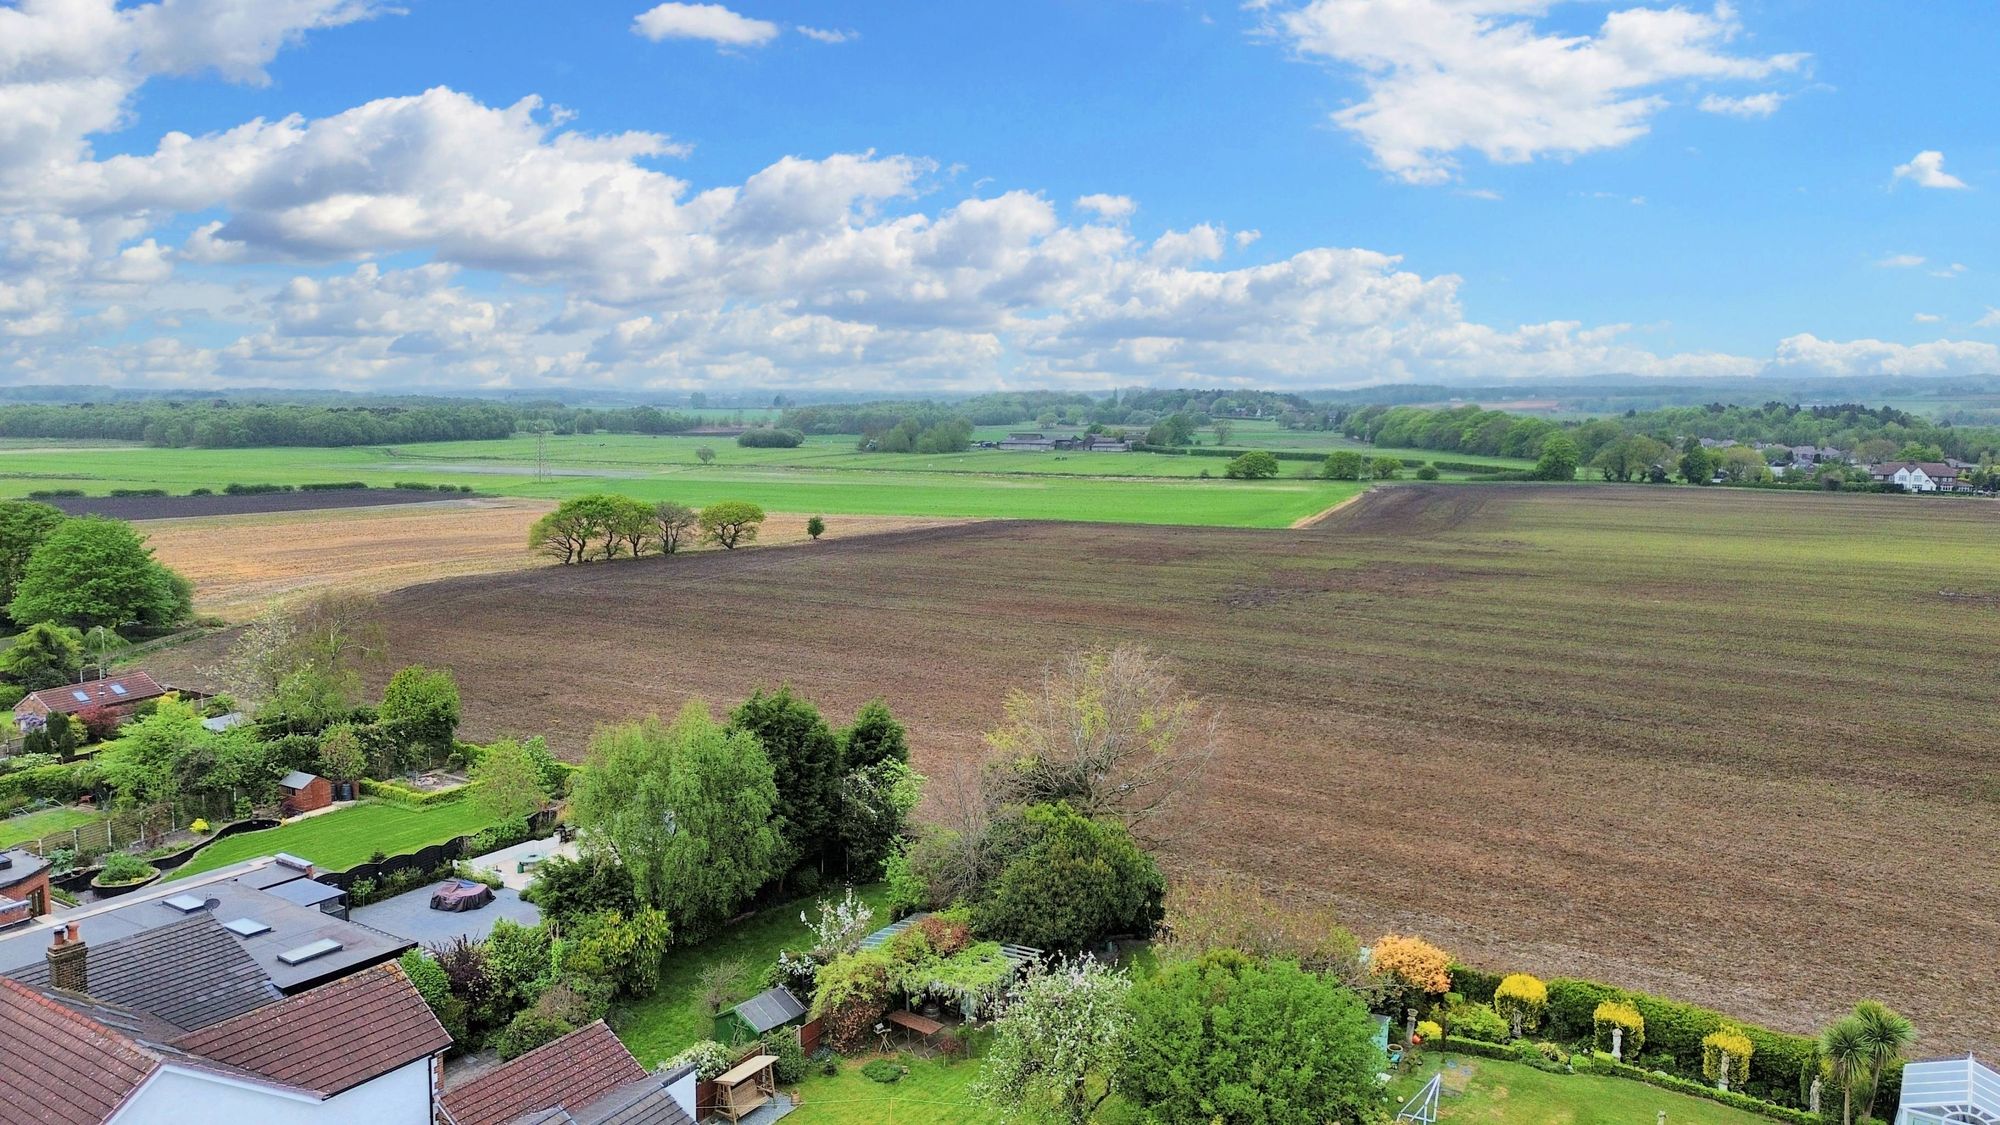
column 246, row 927
column 310, row 950
column 186, row 904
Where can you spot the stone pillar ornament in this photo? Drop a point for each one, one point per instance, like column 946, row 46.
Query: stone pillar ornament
column 1812, row 1095
column 1618, row 1043
column 1722, row 1079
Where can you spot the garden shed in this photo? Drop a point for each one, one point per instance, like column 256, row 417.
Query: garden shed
column 765, row 1012
column 1950, row 1092
column 304, row 792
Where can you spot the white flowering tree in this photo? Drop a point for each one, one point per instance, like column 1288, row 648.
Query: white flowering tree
column 1057, row 1044
column 840, row 927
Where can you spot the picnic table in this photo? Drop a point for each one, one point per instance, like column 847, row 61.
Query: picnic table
column 922, row 1026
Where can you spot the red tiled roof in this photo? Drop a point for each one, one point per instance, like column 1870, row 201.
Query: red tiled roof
column 332, row 1038
column 63, row 700
column 572, row 1071
column 59, row 1066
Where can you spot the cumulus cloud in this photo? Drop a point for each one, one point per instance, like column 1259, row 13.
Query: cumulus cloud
column 711, row 22
column 1113, row 207
column 1990, row 320
column 1750, row 106
column 1808, row 354
column 1926, row 169
column 1446, row 76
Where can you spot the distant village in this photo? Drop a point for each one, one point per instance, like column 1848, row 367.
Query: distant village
column 1948, row 475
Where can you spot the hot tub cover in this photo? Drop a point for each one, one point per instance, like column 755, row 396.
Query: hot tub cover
column 460, row 894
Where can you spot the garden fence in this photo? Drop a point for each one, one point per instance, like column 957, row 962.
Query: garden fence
column 126, row 828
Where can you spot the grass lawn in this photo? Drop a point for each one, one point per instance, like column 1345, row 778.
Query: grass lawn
column 934, row 1091
column 336, row 841
column 663, row 1024
column 33, row 826
column 1505, row 1093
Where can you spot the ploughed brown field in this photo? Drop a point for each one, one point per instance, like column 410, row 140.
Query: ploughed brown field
column 1733, row 747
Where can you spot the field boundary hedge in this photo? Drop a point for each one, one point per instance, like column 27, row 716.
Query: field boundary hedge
column 407, row 797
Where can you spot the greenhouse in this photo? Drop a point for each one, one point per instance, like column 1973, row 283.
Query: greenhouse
column 1950, row 1092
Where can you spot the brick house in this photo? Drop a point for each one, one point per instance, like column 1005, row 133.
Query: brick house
column 118, row 696
column 24, row 887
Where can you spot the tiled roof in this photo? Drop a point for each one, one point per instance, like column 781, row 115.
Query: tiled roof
column 60, row 1067
column 332, row 1038
column 644, row 1102
column 116, row 689
column 190, row 973
column 572, row 1071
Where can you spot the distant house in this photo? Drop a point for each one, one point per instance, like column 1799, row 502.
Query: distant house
column 1104, row 443
column 303, row 792
column 24, row 888
column 1916, row 476
column 364, row 1048
column 763, row 1013
column 1027, row 443
column 584, row 1078
column 118, row 695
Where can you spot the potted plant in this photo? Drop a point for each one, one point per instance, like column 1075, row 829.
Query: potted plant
column 122, row 873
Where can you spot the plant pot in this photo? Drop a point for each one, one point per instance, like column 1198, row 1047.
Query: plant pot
column 113, row 890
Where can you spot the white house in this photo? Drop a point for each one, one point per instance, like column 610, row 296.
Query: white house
column 1916, row 476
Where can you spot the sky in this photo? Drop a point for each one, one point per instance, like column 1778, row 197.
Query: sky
column 940, row 197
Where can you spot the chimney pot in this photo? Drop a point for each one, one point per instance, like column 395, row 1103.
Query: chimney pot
column 69, row 967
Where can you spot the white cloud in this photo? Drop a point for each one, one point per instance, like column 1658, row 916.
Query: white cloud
column 1113, row 207
column 1750, row 106
column 1808, row 354
column 1990, row 320
column 1951, row 271
column 1445, row 76
column 711, row 22
column 1927, row 318
column 827, row 34
column 1901, row 261
column 1487, row 194
column 1926, row 169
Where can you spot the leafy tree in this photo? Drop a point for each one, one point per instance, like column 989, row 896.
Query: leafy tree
column 730, row 522
column 1222, row 429
column 151, row 763
column 673, row 522
column 1175, row 429
column 1109, row 731
column 687, row 808
column 592, row 883
column 1920, row 451
column 339, row 633
column 508, row 782
column 1385, row 468
column 1558, row 460
column 705, row 455
column 1077, row 882
column 1742, row 463
column 1696, row 465
column 95, row 571
column 875, row 736
column 420, row 707
column 309, row 700
column 1058, row 1045
column 523, row 962
column 631, row 523
column 24, row 524
column 1255, row 465
column 805, row 758
column 341, row 756
column 1226, row 1039
column 875, row 805
column 1344, row 464
column 815, row 527
column 43, row 656
column 1629, row 458
column 625, row 950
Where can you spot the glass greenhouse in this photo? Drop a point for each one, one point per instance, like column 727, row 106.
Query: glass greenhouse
column 1950, row 1092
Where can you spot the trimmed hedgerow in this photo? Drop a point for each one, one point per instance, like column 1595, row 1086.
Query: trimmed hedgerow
column 1476, row 985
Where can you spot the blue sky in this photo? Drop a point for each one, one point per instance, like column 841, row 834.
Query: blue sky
column 887, row 195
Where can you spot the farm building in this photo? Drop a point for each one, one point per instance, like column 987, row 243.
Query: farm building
column 304, row 792
column 118, row 696
column 765, row 1012
column 1950, row 1092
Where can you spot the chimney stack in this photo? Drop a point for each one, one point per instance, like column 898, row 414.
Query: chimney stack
column 69, row 961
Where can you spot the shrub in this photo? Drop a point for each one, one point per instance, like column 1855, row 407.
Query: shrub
column 1079, row 882
column 784, row 1044
column 624, row 951
column 414, row 798
column 54, row 493
column 1428, row 1031
column 234, row 489
column 201, row 492
column 1256, row 465
column 1411, row 963
column 529, row 1029
column 10, row 694
column 1619, row 1014
column 138, row 492
column 1520, row 1000
column 566, row 888
column 332, row 486
column 1476, row 985
column 770, row 439
column 710, row 1059
column 1427, row 472
column 577, row 998
column 1736, row 1045
column 1573, row 1007
column 1476, row 1021
column 122, row 868
column 1542, row 1056
column 853, row 992
column 432, row 984
column 882, row 1070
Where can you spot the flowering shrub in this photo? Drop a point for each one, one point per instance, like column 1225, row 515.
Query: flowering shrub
column 1520, row 1000
column 1736, row 1045
column 795, row 971
column 1619, row 1014
column 1428, row 1032
column 1412, row 962
column 710, row 1059
column 840, row 927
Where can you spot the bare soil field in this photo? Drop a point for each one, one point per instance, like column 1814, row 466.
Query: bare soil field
column 241, row 564
column 1731, row 747
column 222, row 504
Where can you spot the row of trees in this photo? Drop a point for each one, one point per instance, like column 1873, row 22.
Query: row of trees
column 604, row 525
column 84, row 573
column 223, row 424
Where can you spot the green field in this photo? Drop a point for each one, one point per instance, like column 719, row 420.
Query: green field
column 825, row 475
column 34, row 826
column 336, row 841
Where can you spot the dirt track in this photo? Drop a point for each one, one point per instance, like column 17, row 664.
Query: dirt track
column 1728, row 746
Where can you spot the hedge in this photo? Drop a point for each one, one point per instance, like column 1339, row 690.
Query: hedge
column 138, row 492
column 1600, row 1064
column 415, row 798
column 63, row 782
column 332, row 486
column 54, row 493
column 1476, row 985
column 1218, row 451
column 234, row 489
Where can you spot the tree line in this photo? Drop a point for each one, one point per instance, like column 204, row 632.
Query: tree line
column 176, row 424
column 603, row 526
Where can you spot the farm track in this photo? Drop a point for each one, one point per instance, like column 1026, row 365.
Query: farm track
column 1728, row 746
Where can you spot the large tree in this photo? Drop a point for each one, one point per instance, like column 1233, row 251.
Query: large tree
column 1077, row 882
column 94, row 571
column 338, row 634
column 509, row 782
column 420, row 707
column 687, row 808
column 1109, row 731
column 805, row 756
column 23, row 526
column 874, row 736
column 1058, row 1045
column 673, row 523
column 43, row 656
column 1227, row 1039
column 730, row 522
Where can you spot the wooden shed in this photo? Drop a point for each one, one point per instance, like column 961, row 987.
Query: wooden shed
column 304, row 792
column 765, row 1012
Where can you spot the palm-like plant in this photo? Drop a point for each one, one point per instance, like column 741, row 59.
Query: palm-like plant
column 1845, row 1046
column 1886, row 1034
